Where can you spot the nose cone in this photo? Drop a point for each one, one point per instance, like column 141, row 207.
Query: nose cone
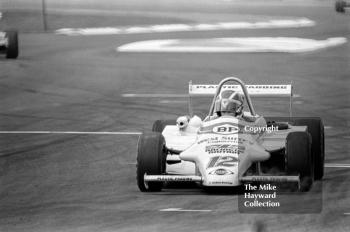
column 222, row 176
column 216, row 169
column 223, row 159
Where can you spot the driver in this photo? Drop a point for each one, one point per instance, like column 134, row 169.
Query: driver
column 229, row 103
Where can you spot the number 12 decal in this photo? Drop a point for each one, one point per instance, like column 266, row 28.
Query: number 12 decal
column 222, row 161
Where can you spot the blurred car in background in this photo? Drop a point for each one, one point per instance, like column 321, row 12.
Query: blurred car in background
column 340, row 6
column 9, row 44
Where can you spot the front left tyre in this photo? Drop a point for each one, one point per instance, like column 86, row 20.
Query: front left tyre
column 12, row 44
column 151, row 160
column 315, row 128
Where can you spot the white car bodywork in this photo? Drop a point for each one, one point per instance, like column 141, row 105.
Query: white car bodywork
column 195, row 157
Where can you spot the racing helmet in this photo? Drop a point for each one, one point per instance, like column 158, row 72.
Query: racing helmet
column 230, row 102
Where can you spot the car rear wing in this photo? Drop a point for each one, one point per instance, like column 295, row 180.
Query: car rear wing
column 253, row 90
column 260, row 91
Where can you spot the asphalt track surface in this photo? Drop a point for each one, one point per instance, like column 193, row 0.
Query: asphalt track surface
column 87, row 182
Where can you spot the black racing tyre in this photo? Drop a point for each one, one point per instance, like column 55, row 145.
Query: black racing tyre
column 151, row 159
column 316, row 130
column 12, row 46
column 159, row 125
column 340, row 6
column 298, row 158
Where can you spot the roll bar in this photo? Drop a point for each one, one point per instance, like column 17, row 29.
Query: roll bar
column 245, row 91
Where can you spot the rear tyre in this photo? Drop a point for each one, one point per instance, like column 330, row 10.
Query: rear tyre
column 340, row 6
column 316, row 130
column 159, row 125
column 299, row 158
column 12, row 46
column 151, row 158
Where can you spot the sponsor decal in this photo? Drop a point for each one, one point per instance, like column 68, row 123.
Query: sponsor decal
column 165, row 178
column 220, row 182
column 224, row 148
column 221, row 172
column 222, row 161
column 222, row 139
column 225, row 129
column 269, row 179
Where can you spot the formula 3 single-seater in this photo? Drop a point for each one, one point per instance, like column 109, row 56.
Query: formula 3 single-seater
column 227, row 150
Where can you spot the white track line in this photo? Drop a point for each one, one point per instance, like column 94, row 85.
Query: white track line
column 184, row 210
column 298, row 102
column 330, row 165
column 278, row 23
column 347, row 214
column 129, row 163
column 73, row 132
column 172, row 101
column 233, row 45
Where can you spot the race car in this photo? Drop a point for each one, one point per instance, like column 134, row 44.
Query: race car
column 229, row 150
column 9, row 44
column 340, row 6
